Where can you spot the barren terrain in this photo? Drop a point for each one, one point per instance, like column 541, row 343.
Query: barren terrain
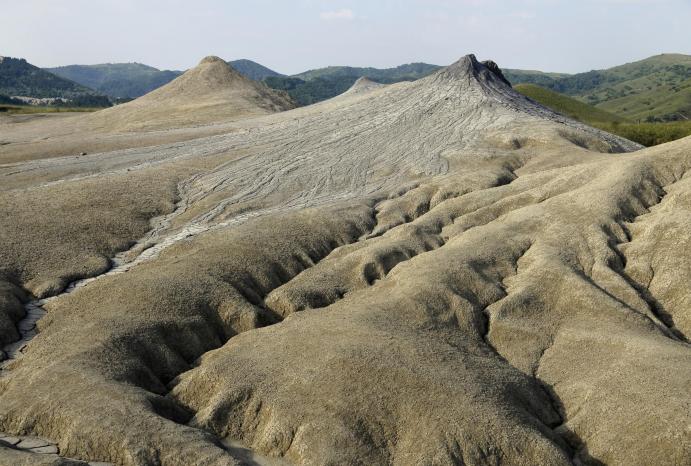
column 429, row 272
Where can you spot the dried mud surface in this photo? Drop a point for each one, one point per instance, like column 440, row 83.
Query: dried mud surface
column 435, row 272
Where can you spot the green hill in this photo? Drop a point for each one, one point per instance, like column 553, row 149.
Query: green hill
column 568, row 106
column 323, row 83
column 20, row 78
column 118, row 80
column 132, row 80
column 532, row 77
column 657, row 88
column 253, row 70
column 408, row 72
column 648, row 134
column 310, row 92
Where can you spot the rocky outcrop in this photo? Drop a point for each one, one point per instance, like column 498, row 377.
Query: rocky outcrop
column 494, row 68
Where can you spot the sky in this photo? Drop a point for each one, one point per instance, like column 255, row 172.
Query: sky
column 291, row 36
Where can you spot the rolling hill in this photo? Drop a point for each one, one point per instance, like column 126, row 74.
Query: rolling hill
column 408, row 72
column 568, row 106
column 320, row 84
column 645, row 133
column 118, row 80
column 252, row 69
column 132, row 80
column 20, row 78
column 210, row 92
column 532, row 77
column 656, row 88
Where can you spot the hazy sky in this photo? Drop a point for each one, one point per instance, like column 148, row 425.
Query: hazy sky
column 294, row 35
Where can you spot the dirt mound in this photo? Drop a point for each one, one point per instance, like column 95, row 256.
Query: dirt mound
column 212, row 91
column 363, row 84
column 440, row 271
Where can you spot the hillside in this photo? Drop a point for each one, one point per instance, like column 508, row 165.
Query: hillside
column 539, row 78
column 132, row 80
column 656, row 88
column 20, row 78
column 408, row 72
column 312, row 91
column 320, row 84
column 645, row 133
column 210, row 92
column 568, row 106
column 252, row 70
column 117, row 80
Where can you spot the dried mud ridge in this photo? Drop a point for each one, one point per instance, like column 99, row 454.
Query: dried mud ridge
column 374, row 272
column 361, row 281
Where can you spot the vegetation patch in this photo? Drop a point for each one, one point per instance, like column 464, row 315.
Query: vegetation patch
column 645, row 133
column 649, row 134
column 655, row 89
column 25, row 109
column 568, row 106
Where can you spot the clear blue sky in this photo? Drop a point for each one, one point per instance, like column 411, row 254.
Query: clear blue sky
column 294, row 35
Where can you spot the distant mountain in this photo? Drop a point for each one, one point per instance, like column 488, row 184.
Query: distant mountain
column 408, row 72
column 132, row 80
column 118, row 80
column 320, row 84
column 20, row 78
column 312, row 91
column 533, row 77
column 252, row 70
column 657, row 88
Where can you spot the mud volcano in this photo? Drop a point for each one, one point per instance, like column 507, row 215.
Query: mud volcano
column 430, row 272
